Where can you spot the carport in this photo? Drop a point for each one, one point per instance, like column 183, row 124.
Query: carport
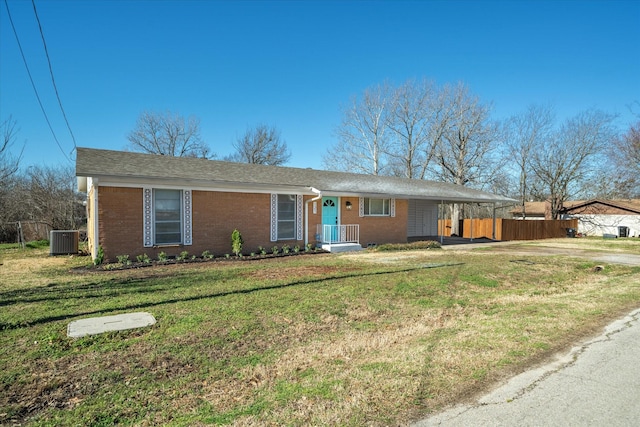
column 426, row 219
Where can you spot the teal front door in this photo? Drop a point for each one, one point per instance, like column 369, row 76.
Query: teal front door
column 330, row 217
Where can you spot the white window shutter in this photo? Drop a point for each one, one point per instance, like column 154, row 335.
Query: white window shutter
column 274, row 217
column 361, row 207
column 299, row 224
column 393, row 207
column 187, row 215
column 147, row 217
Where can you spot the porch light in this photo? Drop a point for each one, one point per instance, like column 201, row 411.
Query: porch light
column 348, row 205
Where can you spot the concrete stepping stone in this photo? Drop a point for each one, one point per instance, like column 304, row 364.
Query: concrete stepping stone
column 118, row 322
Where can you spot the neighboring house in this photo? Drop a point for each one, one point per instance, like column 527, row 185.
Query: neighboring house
column 596, row 217
column 537, row 210
column 532, row 210
column 144, row 203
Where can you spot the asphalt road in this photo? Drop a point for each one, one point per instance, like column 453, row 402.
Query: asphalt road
column 596, row 384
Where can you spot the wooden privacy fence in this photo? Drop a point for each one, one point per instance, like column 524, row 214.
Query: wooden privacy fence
column 510, row 229
column 24, row 231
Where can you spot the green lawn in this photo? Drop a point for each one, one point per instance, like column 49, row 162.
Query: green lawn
column 365, row 339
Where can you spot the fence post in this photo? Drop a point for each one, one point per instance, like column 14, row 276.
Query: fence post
column 21, row 235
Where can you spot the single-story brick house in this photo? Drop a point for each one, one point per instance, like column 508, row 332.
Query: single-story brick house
column 147, row 204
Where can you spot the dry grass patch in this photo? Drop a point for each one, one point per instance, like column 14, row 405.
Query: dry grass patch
column 28, row 271
column 354, row 339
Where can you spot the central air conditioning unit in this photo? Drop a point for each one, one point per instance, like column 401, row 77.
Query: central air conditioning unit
column 63, row 242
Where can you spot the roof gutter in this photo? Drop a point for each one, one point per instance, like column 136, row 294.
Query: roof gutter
column 306, row 213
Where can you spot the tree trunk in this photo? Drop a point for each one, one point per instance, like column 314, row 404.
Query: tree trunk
column 455, row 219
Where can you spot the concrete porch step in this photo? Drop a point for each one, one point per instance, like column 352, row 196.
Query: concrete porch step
column 341, row 247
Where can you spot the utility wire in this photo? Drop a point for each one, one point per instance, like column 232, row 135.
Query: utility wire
column 33, row 85
column 53, row 80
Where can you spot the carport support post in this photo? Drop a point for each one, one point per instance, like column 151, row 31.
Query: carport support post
column 471, row 225
column 441, row 221
column 494, row 222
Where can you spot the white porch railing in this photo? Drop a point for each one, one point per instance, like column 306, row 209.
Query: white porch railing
column 331, row 234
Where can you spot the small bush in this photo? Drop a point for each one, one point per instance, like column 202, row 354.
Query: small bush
column 123, row 259
column 144, row 258
column 207, row 255
column 184, row 255
column 308, row 247
column 262, row 250
column 428, row 244
column 162, row 256
column 236, row 242
column 285, row 249
column 296, row 249
column 274, row 250
column 99, row 257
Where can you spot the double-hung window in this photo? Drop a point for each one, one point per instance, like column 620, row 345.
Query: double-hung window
column 167, row 216
column 377, row 207
column 286, row 217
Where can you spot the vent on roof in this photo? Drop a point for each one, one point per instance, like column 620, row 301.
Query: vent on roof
column 63, row 242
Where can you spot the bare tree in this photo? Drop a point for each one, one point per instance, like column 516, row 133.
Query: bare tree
column 43, row 194
column 49, row 196
column 411, row 122
column 8, row 163
column 392, row 130
column 261, row 145
column 403, row 130
column 362, row 135
column 565, row 161
column 463, row 156
column 624, row 155
column 168, row 134
column 523, row 133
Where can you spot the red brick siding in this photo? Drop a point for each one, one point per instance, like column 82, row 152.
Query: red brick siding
column 217, row 214
column 377, row 229
column 120, row 222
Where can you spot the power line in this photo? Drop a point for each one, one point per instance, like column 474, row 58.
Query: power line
column 53, row 80
column 33, row 85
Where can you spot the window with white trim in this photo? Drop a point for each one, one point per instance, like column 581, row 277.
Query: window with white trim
column 286, row 217
column 167, row 216
column 377, row 207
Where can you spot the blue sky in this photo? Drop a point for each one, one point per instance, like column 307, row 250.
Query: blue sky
column 292, row 64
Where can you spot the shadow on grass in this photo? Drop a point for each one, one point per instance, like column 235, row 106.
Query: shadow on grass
column 48, row 319
column 110, row 288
